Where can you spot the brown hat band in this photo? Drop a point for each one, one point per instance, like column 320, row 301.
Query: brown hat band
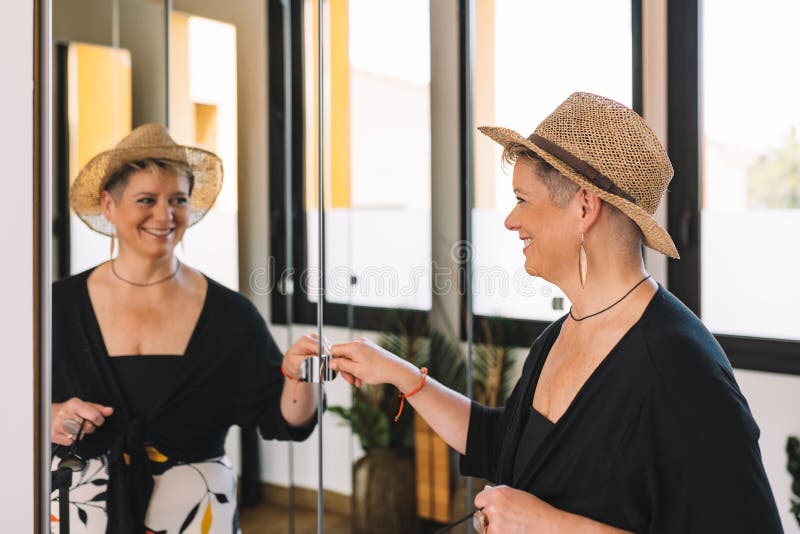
column 583, row 168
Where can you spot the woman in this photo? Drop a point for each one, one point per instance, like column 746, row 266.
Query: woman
column 153, row 361
column 627, row 416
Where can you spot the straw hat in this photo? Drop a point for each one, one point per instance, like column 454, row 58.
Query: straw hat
column 607, row 149
column 149, row 141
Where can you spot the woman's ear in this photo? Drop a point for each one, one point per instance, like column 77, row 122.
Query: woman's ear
column 108, row 204
column 589, row 204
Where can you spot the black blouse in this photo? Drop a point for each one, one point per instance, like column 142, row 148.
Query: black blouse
column 536, row 428
column 230, row 375
column 144, row 380
column 658, row 439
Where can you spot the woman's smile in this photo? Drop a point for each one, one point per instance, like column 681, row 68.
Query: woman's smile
column 159, row 232
column 527, row 242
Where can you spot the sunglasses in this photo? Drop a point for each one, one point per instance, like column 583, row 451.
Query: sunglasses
column 73, row 461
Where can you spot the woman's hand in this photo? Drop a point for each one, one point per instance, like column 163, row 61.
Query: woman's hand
column 505, row 509
column 364, row 362
column 509, row 510
column 299, row 399
column 306, row 346
column 66, row 419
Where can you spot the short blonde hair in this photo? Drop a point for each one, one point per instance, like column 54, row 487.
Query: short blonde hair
column 118, row 181
column 559, row 187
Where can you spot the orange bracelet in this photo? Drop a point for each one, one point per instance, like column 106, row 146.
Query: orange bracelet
column 404, row 396
column 296, row 382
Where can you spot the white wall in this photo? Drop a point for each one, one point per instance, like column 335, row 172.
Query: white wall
column 16, row 268
column 774, row 400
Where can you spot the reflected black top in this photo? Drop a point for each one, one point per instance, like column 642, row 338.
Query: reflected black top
column 658, row 439
column 229, row 375
column 143, row 380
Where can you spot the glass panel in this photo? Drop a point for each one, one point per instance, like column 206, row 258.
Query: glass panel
column 750, row 182
column 110, row 77
column 517, row 89
column 203, row 113
column 377, row 166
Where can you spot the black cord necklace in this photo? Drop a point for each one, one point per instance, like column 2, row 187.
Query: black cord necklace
column 609, row 307
column 147, row 284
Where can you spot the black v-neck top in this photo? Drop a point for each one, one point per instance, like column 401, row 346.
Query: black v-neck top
column 536, row 427
column 144, row 380
column 658, row 439
column 229, row 375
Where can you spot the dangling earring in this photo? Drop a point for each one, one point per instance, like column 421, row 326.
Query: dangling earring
column 583, row 264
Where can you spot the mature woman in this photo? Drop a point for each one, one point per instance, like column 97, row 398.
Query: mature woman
column 153, row 361
column 627, row 416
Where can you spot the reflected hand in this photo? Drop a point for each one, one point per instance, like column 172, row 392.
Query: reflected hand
column 506, row 509
column 66, row 419
column 306, row 346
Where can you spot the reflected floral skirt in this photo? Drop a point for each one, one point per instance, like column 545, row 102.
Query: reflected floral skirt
column 188, row 498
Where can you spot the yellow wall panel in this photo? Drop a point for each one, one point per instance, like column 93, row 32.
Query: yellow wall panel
column 99, row 100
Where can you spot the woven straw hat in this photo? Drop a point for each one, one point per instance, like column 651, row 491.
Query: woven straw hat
column 608, row 149
column 149, row 141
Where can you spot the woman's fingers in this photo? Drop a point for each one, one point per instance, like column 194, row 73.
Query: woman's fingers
column 345, row 367
column 350, row 379
column 67, row 418
column 484, row 497
column 92, row 412
column 71, row 426
column 308, row 345
column 60, row 438
column 346, row 350
column 479, row 522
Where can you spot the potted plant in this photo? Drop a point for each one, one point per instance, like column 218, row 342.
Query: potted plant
column 383, row 479
column 493, row 376
column 384, row 485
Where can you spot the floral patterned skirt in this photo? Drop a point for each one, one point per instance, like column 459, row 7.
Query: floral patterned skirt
column 187, row 498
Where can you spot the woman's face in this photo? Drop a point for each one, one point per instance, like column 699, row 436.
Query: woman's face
column 550, row 235
column 152, row 212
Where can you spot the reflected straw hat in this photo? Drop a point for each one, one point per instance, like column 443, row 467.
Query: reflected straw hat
column 148, row 141
column 609, row 150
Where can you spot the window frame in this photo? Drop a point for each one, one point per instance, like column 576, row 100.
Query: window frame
column 304, row 311
column 523, row 331
column 684, row 100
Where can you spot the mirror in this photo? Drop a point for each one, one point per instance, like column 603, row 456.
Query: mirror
column 113, row 71
column 214, row 73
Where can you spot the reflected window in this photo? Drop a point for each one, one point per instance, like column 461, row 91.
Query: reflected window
column 517, row 86
column 110, row 77
column 377, row 152
column 203, row 113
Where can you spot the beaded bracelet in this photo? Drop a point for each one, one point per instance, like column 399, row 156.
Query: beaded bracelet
column 404, row 396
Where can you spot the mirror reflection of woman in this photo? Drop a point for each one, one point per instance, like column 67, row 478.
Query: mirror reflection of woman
column 153, row 361
column 627, row 416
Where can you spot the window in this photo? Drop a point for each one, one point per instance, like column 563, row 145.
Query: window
column 516, row 86
column 733, row 138
column 376, row 169
column 750, row 174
